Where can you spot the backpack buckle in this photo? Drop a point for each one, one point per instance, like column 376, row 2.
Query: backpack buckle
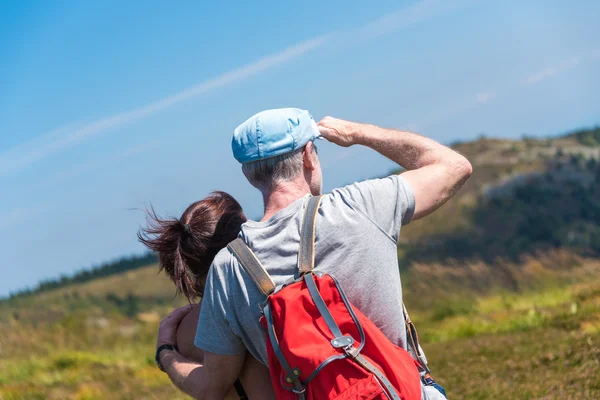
column 299, row 275
column 351, row 351
column 343, row 341
column 299, row 391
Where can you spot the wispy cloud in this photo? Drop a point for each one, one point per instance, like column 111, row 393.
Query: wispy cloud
column 484, row 97
column 30, row 151
column 16, row 159
column 562, row 66
column 418, row 12
column 550, row 71
column 488, row 96
column 453, row 109
column 96, row 164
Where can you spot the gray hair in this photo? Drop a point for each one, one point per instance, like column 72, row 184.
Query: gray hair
column 266, row 174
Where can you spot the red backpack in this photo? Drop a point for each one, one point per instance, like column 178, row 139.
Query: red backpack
column 319, row 345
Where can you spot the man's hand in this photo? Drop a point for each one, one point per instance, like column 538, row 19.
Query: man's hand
column 338, row 131
column 167, row 331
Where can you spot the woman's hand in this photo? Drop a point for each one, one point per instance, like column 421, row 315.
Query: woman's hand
column 167, row 331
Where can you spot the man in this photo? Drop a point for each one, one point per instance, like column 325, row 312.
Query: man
column 357, row 230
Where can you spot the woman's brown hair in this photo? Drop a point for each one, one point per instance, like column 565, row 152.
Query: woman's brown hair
column 187, row 246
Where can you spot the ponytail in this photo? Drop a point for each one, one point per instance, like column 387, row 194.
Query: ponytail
column 187, row 246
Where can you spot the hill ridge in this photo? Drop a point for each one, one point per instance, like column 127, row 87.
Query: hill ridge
column 498, row 163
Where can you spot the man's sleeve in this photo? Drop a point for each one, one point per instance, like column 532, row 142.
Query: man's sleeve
column 388, row 202
column 214, row 333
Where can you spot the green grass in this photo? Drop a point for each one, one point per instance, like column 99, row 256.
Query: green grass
column 540, row 342
column 539, row 363
column 120, row 367
column 84, row 341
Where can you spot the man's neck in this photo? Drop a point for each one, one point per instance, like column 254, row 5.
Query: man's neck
column 282, row 196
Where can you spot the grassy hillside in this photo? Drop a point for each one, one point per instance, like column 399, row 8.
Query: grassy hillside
column 542, row 341
column 503, row 283
column 113, row 267
column 126, row 293
column 524, row 197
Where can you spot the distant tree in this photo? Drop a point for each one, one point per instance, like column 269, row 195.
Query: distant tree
column 132, row 305
column 587, row 137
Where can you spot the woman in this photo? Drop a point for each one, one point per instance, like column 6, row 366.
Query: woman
column 186, row 248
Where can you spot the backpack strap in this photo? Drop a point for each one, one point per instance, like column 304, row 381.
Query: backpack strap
column 306, row 256
column 252, row 265
column 412, row 341
column 240, row 390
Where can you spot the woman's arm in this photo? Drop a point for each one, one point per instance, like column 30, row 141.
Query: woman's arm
column 211, row 380
column 256, row 380
column 254, row 376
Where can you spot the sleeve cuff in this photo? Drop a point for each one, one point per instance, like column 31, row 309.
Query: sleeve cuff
column 409, row 194
column 217, row 349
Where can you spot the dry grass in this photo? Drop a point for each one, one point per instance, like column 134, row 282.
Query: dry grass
column 494, row 161
column 143, row 282
column 484, row 341
column 542, row 363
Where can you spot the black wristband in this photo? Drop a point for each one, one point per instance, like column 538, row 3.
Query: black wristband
column 161, row 348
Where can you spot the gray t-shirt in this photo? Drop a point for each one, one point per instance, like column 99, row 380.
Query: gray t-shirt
column 357, row 230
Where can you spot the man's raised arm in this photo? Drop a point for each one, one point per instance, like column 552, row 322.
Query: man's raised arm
column 434, row 171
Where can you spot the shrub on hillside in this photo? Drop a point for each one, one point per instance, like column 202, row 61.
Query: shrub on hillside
column 559, row 208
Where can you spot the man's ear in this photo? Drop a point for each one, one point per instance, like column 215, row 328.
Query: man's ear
column 309, row 156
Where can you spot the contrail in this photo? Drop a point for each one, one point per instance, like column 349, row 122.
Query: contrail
column 18, row 158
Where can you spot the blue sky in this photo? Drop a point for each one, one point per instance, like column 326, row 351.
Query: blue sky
column 106, row 107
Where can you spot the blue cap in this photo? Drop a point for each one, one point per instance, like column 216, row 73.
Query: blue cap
column 272, row 133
